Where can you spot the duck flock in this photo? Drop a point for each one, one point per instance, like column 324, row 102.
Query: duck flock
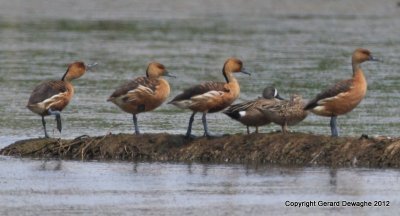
column 146, row 93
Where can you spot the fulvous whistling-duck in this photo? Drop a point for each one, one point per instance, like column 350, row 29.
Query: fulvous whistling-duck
column 345, row 95
column 51, row 97
column 143, row 94
column 248, row 113
column 285, row 112
column 210, row 97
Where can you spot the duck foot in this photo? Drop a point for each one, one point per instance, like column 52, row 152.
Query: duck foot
column 190, row 136
column 208, row 135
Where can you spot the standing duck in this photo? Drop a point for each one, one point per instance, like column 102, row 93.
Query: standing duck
column 248, row 113
column 285, row 112
column 210, row 97
column 51, row 97
column 143, row 94
column 345, row 95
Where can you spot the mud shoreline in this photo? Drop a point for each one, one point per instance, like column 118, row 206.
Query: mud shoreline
column 273, row 148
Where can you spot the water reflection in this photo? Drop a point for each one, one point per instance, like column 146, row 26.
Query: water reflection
column 37, row 185
column 51, row 165
column 333, row 179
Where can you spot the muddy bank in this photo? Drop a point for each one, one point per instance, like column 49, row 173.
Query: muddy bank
column 276, row 148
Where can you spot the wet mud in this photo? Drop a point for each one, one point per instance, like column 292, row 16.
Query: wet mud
column 275, row 148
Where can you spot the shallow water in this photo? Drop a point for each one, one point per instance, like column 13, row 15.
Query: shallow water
column 299, row 46
column 32, row 187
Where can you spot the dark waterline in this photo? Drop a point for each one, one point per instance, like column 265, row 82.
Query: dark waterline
column 297, row 46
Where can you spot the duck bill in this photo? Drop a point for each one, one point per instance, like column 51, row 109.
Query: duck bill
column 90, row 67
column 371, row 58
column 245, row 72
column 166, row 73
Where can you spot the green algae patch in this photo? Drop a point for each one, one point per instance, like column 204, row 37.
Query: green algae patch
column 273, row 148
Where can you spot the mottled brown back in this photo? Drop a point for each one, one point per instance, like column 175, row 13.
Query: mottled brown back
column 200, row 89
column 131, row 85
column 46, row 90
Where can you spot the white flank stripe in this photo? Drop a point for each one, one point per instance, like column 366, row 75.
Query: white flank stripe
column 182, row 104
column 319, row 108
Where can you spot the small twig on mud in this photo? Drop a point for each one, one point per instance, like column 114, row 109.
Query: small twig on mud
column 316, row 157
column 59, row 147
column 83, row 149
column 76, row 141
column 128, row 152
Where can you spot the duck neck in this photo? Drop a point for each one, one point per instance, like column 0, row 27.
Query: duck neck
column 233, row 84
column 69, row 76
column 165, row 89
column 66, row 77
column 357, row 71
column 359, row 77
column 229, row 77
column 70, row 88
column 152, row 76
column 356, row 68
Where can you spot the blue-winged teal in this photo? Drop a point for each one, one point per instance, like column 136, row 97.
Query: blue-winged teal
column 248, row 113
column 285, row 112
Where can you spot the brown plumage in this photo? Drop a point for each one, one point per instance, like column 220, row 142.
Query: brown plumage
column 46, row 90
column 345, row 95
column 248, row 113
column 285, row 112
column 211, row 96
column 208, row 96
column 51, row 97
column 331, row 92
column 142, row 94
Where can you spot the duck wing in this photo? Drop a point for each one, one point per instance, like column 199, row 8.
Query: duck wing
column 331, row 92
column 46, row 90
column 138, row 85
column 204, row 88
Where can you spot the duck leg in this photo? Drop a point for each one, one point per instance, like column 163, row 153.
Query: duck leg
column 284, row 128
column 206, row 133
column 256, row 129
column 44, row 128
column 248, row 129
column 58, row 118
column 204, row 120
column 189, row 130
column 333, row 125
column 135, row 124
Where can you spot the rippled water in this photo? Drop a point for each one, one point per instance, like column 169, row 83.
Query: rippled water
column 30, row 187
column 299, row 46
